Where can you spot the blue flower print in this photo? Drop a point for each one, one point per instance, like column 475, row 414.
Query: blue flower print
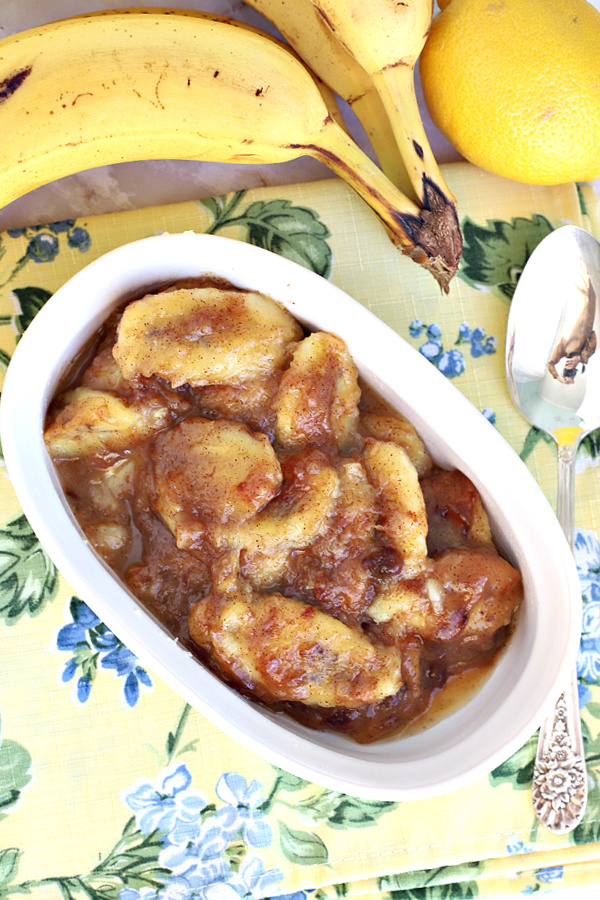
column 590, row 622
column 203, row 847
column 297, row 895
column 256, row 879
column 174, row 889
column 451, row 363
column 584, row 694
column 549, row 874
column 125, row 664
column 242, row 812
column 587, row 557
column 62, row 227
column 72, row 638
column 464, row 332
column 478, row 348
column 489, row 414
column 43, row 247
column 167, row 805
column 431, row 350
column 200, row 861
column 80, row 239
column 91, row 643
column 588, row 658
column 480, row 344
column 44, row 241
column 204, row 866
column 516, row 845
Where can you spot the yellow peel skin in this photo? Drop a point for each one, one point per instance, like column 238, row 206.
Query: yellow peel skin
column 386, row 38
column 166, row 84
column 306, row 31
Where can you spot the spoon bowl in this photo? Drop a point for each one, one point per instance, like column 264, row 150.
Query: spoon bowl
column 552, row 365
column 553, row 374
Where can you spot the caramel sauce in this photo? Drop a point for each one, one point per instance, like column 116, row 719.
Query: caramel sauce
column 441, row 668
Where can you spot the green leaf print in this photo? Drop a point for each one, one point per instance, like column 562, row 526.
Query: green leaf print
column 532, row 439
column 581, row 199
column 352, row 812
column 438, row 892
column 302, row 847
column 28, row 301
column 590, row 446
column 341, row 810
column 288, row 782
column 494, row 255
column 132, row 863
column 434, row 884
column 15, row 763
column 15, row 775
column 9, row 861
column 518, row 770
column 174, row 737
column 593, row 709
column 28, row 577
column 31, row 300
column 294, row 232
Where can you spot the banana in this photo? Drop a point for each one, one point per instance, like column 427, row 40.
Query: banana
column 385, row 37
column 170, row 84
column 305, row 30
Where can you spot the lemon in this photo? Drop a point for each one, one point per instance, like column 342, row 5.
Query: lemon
column 514, row 85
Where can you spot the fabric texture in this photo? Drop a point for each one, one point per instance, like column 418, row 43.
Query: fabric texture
column 111, row 786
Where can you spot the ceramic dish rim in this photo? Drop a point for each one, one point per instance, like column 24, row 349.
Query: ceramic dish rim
column 367, row 770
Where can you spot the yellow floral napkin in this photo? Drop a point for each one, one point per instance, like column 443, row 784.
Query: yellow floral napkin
column 110, row 785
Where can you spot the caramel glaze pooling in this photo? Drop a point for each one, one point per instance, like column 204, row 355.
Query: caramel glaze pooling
column 274, row 515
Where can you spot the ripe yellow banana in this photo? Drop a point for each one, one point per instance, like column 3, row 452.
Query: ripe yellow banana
column 302, row 26
column 148, row 84
column 386, row 38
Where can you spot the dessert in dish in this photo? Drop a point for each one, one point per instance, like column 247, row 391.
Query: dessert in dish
column 274, row 514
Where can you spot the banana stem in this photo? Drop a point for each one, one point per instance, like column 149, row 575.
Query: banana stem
column 371, row 114
column 410, row 228
column 396, row 89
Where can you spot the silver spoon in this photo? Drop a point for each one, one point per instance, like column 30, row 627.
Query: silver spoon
column 553, row 373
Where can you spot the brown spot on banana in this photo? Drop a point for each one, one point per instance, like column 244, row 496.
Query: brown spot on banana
column 325, row 18
column 354, row 99
column 78, row 97
column 409, row 64
column 13, row 83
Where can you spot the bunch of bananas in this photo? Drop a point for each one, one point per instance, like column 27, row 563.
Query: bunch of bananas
column 171, row 84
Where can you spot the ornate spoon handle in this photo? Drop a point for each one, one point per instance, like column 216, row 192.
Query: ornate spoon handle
column 559, row 776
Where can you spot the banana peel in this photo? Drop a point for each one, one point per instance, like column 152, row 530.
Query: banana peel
column 170, row 84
